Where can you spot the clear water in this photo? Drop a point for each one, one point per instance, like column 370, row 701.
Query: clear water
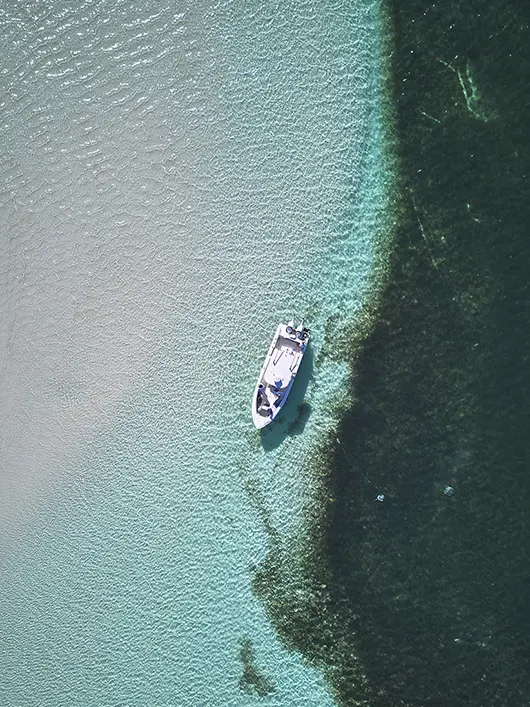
column 175, row 181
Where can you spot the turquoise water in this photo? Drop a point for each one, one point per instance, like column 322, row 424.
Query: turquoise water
column 174, row 184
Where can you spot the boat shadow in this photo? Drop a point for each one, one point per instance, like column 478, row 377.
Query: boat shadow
column 296, row 412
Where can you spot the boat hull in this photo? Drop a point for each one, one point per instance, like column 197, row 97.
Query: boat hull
column 278, row 373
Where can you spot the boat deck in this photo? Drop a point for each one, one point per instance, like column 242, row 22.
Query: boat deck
column 283, row 362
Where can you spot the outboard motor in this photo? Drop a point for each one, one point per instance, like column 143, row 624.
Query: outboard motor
column 300, row 331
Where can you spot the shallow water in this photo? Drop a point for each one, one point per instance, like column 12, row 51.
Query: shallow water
column 174, row 183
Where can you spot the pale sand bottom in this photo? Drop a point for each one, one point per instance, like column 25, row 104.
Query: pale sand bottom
column 135, row 325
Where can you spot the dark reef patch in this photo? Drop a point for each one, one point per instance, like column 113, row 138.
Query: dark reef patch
column 422, row 599
column 253, row 681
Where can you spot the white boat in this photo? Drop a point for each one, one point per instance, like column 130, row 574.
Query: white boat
column 278, row 372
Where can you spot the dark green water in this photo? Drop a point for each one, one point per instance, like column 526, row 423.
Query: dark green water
column 423, row 599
